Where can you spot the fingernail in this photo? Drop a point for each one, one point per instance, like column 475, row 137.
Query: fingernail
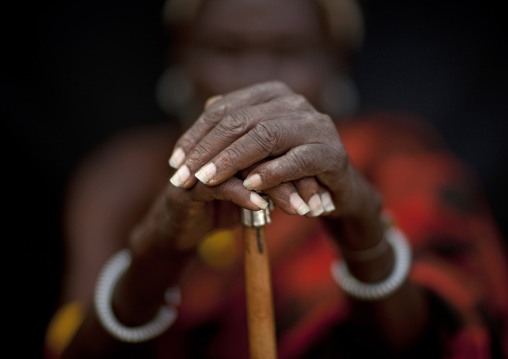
column 177, row 158
column 327, row 202
column 258, row 200
column 315, row 205
column 211, row 100
column 181, row 176
column 206, row 173
column 252, row 182
column 298, row 204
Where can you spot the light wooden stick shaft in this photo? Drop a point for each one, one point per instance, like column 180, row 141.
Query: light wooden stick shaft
column 258, row 287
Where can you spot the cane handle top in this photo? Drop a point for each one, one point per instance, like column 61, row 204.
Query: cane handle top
column 257, row 218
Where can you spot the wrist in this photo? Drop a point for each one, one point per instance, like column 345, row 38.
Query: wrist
column 140, row 291
column 372, row 270
column 359, row 230
column 357, row 226
column 104, row 306
column 374, row 263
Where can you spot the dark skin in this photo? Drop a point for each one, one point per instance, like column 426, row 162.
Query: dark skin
column 258, row 135
column 237, row 44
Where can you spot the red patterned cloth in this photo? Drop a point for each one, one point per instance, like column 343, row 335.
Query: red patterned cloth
column 435, row 200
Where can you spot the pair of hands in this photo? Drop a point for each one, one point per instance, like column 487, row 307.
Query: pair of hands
column 261, row 138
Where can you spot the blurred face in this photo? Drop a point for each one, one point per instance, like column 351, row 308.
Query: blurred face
column 241, row 42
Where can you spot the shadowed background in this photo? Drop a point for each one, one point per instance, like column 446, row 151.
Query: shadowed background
column 74, row 72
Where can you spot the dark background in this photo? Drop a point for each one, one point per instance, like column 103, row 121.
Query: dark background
column 74, row 72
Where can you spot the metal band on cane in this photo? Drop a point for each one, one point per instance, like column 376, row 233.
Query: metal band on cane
column 257, row 218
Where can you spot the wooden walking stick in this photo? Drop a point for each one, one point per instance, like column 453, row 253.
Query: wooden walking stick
column 258, row 285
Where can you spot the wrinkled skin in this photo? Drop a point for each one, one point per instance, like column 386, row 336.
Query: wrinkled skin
column 265, row 131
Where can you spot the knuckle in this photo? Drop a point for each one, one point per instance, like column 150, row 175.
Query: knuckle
column 233, row 155
column 316, row 125
column 213, row 114
column 235, row 122
column 265, row 135
column 323, row 120
column 198, row 153
column 297, row 101
column 225, row 191
column 272, row 86
column 278, row 85
column 188, row 140
column 208, row 119
column 300, row 157
column 321, row 126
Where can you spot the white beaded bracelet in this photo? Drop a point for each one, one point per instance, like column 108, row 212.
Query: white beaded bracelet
column 380, row 290
column 104, row 289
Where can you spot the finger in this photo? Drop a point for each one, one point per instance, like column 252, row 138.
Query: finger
column 266, row 139
column 218, row 108
column 308, row 188
column 315, row 195
column 231, row 190
column 230, row 128
column 323, row 161
column 234, row 151
column 326, row 200
column 286, row 197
